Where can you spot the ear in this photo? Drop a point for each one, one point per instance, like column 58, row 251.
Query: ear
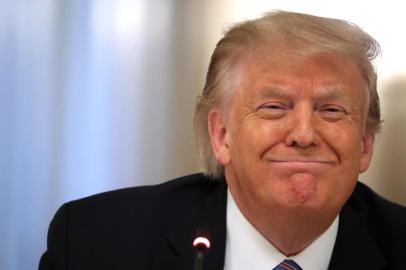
column 368, row 147
column 219, row 136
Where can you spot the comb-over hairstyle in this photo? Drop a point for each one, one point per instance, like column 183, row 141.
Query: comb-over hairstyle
column 304, row 35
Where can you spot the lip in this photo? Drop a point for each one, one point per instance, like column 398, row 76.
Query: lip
column 301, row 164
column 302, row 161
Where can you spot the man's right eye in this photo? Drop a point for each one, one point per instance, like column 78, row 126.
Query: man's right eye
column 273, row 106
column 272, row 110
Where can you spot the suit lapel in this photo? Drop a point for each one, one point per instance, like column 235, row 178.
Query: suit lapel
column 209, row 217
column 354, row 248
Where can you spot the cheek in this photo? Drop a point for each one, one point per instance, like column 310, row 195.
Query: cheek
column 249, row 141
column 254, row 139
column 344, row 138
column 350, row 148
column 346, row 143
column 259, row 131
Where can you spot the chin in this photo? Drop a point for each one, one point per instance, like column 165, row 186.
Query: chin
column 303, row 191
column 301, row 187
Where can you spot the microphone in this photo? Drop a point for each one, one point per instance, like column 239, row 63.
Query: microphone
column 201, row 245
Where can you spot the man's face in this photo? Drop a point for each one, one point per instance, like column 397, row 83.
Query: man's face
column 293, row 137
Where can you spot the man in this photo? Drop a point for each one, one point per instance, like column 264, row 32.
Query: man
column 285, row 124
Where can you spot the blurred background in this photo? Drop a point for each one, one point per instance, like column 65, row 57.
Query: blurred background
column 98, row 95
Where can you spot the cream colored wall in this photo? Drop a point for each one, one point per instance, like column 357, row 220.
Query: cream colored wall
column 386, row 174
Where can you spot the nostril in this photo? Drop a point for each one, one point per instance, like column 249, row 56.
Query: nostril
column 294, row 143
column 301, row 138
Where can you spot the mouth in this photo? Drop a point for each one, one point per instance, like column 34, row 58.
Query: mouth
column 301, row 161
column 301, row 164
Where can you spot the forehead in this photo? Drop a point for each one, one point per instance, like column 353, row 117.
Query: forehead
column 283, row 72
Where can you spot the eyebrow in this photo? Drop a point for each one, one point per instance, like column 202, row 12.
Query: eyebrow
column 326, row 92
column 273, row 92
column 336, row 92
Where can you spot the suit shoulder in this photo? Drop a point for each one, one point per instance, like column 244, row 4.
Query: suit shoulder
column 175, row 196
column 365, row 200
column 81, row 228
column 384, row 220
column 184, row 187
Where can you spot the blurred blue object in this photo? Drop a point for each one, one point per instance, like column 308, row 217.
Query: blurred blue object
column 90, row 101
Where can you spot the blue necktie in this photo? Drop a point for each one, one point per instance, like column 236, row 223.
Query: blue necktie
column 288, row 265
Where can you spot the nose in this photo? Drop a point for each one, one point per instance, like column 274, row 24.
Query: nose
column 301, row 130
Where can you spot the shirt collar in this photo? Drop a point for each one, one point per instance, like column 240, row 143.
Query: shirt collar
column 246, row 248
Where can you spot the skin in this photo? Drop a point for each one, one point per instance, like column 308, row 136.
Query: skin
column 293, row 143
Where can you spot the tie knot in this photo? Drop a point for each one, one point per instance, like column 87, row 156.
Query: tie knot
column 288, row 265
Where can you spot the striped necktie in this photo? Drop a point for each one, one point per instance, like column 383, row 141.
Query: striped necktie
column 288, row 265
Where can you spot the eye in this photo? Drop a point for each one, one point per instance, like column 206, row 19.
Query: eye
column 332, row 112
column 272, row 110
column 273, row 106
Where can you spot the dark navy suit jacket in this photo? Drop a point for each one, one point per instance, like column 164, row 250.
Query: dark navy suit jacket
column 153, row 227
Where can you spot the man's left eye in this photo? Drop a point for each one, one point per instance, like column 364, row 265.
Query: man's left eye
column 273, row 106
column 332, row 112
column 332, row 109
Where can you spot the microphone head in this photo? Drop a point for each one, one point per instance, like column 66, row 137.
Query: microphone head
column 201, row 243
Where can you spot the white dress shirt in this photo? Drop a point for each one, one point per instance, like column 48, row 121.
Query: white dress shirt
column 246, row 248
